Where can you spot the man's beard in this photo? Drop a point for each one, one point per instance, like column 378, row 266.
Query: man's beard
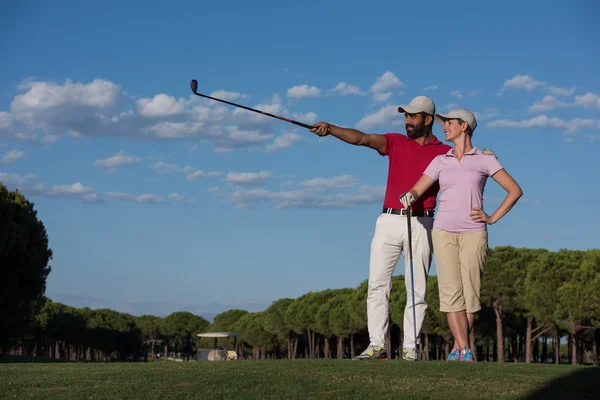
column 416, row 132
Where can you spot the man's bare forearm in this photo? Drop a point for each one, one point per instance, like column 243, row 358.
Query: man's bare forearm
column 352, row 136
column 348, row 135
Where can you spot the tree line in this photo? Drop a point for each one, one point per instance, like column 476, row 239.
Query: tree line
column 533, row 300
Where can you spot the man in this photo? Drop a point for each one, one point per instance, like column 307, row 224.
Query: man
column 409, row 155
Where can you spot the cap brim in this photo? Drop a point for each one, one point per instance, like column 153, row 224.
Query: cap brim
column 440, row 118
column 409, row 110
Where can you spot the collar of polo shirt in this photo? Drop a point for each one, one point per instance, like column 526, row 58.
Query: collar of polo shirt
column 473, row 151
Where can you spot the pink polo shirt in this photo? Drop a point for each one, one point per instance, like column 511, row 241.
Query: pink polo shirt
column 461, row 188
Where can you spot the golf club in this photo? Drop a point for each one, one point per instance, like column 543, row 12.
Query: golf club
column 194, row 85
column 412, row 278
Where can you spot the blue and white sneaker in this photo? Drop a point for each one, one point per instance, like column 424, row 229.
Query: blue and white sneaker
column 466, row 355
column 454, row 355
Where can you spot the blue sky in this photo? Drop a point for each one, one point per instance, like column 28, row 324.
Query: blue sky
column 156, row 200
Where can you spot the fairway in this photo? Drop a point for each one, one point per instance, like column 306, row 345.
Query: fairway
column 296, row 379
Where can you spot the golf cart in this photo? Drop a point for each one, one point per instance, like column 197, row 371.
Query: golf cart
column 218, row 353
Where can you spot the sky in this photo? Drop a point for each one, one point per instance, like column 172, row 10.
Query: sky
column 156, row 200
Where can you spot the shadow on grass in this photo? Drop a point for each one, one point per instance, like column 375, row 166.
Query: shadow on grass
column 10, row 359
column 583, row 383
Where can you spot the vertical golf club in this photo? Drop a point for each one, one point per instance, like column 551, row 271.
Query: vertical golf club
column 412, row 278
column 194, row 86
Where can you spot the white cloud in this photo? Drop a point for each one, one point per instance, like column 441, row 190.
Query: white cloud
column 11, row 156
column 385, row 116
column 75, row 189
column 528, row 83
column 311, row 197
column 525, row 82
column 283, row 141
column 558, row 91
column 143, row 198
column 303, row 91
column 386, row 82
column 34, row 137
column 547, row 103
column 451, row 106
column 383, row 86
column 344, row 88
column 160, row 105
column 307, row 118
column 199, row 174
column 148, row 198
column 47, row 95
column 15, row 178
column 78, row 191
column 45, row 112
column 588, row 100
column 568, row 127
column 486, row 113
column 457, row 94
column 225, row 95
column 432, row 87
column 118, row 160
column 216, row 191
column 249, row 119
column 5, row 119
column 382, row 97
column 167, row 168
column 336, row 182
column 191, row 173
column 231, row 138
column 248, row 178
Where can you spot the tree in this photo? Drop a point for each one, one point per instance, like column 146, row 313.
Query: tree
column 24, row 257
column 578, row 298
column 545, row 275
column 502, row 271
column 150, row 327
column 274, row 319
column 180, row 329
column 529, row 259
column 324, row 319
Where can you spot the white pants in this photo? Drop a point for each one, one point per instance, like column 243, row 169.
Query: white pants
column 389, row 241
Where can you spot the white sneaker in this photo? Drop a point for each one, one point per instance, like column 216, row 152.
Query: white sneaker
column 372, row 353
column 409, row 354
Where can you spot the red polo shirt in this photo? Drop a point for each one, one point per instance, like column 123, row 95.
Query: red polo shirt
column 408, row 161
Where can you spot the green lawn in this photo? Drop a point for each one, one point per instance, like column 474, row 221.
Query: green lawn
column 296, row 379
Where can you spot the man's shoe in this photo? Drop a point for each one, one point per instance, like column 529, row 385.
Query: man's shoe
column 372, row 353
column 409, row 354
column 466, row 355
column 454, row 355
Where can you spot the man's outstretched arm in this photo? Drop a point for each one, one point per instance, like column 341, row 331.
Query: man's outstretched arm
column 352, row 136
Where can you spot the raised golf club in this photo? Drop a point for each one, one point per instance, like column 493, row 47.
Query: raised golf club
column 194, row 86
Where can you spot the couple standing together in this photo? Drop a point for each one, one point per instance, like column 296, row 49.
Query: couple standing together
column 422, row 172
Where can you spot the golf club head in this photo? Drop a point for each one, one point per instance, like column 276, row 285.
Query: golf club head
column 194, row 86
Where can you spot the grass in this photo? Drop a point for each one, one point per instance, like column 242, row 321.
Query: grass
column 296, row 379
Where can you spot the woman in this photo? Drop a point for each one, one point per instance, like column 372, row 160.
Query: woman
column 459, row 235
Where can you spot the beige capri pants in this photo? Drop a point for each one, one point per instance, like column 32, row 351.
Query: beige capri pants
column 459, row 261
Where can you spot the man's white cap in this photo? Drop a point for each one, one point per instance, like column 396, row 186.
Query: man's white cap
column 458, row 113
column 417, row 105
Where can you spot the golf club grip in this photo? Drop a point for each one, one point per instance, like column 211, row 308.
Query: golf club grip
column 257, row 111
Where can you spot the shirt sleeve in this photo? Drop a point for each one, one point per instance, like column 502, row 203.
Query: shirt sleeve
column 390, row 144
column 433, row 169
column 491, row 165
